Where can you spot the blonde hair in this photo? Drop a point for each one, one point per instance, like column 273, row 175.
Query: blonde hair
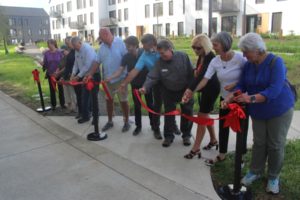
column 203, row 41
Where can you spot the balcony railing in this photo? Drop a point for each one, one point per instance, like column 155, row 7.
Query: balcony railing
column 108, row 22
column 55, row 14
column 226, row 6
column 77, row 25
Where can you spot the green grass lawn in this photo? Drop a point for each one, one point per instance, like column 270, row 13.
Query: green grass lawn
column 222, row 174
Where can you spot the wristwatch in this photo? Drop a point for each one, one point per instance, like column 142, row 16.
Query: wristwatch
column 252, row 99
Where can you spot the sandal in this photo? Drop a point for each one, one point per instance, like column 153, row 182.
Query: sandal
column 192, row 154
column 211, row 145
column 211, row 162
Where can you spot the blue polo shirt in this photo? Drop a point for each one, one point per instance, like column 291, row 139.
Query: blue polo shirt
column 147, row 59
column 110, row 57
column 271, row 82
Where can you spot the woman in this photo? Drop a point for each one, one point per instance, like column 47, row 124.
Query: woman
column 203, row 49
column 52, row 58
column 270, row 105
column 228, row 67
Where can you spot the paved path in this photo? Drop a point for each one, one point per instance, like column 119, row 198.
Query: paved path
column 49, row 158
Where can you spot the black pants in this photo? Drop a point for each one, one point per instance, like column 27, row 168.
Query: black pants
column 224, row 132
column 157, row 103
column 77, row 89
column 53, row 94
column 137, row 106
column 170, row 99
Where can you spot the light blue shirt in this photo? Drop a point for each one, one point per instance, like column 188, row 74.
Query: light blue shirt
column 147, row 59
column 111, row 57
column 84, row 59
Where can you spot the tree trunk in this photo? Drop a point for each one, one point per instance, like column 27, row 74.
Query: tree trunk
column 5, row 45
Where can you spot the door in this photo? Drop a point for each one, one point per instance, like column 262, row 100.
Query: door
column 251, row 23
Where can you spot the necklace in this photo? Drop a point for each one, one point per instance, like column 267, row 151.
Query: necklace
column 227, row 58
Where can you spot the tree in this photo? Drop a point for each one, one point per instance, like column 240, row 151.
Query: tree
column 4, row 29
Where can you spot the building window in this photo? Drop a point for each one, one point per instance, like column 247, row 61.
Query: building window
column 167, row 29
column 40, row 32
column 69, row 21
column 69, row 6
column 126, row 31
column 214, row 25
column 84, row 3
column 229, row 24
column 198, row 26
column 119, row 15
column 79, row 4
column 120, row 31
column 53, row 25
column 20, row 22
column 80, row 19
column 63, row 22
column 259, row 1
column 180, row 29
column 85, row 18
column 45, row 31
column 157, row 30
column 119, row 1
column 157, row 9
column 125, row 0
column 62, row 8
column 91, row 3
column 198, row 4
column 112, row 14
column 25, row 22
column 126, row 14
column 111, row 2
column 147, row 11
column 183, row 6
column 276, row 22
column 46, row 21
column 29, row 32
column 170, row 8
column 13, row 32
column 57, row 24
column 91, row 18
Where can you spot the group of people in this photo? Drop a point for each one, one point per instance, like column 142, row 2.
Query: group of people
column 167, row 78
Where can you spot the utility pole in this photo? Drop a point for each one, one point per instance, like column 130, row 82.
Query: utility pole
column 244, row 18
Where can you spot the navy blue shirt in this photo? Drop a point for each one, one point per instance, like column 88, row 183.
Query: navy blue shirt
column 270, row 81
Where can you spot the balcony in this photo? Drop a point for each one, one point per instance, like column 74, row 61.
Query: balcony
column 108, row 22
column 227, row 6
column 55, row 14
column 77, row 25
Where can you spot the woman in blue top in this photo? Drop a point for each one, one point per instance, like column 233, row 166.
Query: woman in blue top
column 270, row 105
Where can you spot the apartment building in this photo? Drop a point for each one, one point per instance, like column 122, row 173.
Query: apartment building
column 172, row 17
column 26, row 24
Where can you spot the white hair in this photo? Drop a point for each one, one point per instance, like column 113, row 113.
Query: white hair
column 252, row 42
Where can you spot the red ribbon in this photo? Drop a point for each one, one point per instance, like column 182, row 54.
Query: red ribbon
column 53, row 82
column 35, row 74
column 105, row 89
column 231, row 120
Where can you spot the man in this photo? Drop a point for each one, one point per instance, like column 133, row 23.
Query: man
column 174, row 71
column 110, row 54
column 128, row 61
column 147, row 60
column 85, row 55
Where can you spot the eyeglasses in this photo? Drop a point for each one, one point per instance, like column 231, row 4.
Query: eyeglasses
column 197, row 48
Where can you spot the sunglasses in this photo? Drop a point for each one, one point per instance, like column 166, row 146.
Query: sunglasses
column 197, row 48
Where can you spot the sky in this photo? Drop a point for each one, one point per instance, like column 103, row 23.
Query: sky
column 26, row 3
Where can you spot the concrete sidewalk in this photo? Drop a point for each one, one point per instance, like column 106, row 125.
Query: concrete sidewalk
column 49, row 158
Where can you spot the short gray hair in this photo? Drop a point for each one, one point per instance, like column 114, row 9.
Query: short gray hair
column 251, row 42
column 164, row 44
column 224, row 39
column 75, row 40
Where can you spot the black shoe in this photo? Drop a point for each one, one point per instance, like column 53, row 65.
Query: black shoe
column 136, row 131
column 167, row 142
column 126, row 127
column 157, row 134
column 107, row 126
column 77, row 116
column 186, row 141
column 82, row 120
column 96, row 136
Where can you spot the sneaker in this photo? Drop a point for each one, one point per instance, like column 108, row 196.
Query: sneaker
column 177, row 131
column 167, row 142
column 249, row 178
column 157, row 134
column 107, row 126
column 126, row 127
column 273, row 186
column 186, row 141
column 83, row 120
column 136, row 131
